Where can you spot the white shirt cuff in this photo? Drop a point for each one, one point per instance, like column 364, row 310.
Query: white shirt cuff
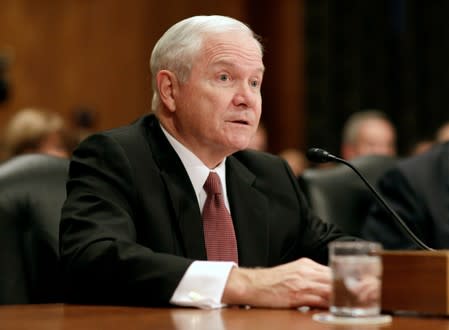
column 203, row 284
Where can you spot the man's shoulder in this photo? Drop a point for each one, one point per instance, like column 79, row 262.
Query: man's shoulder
column 132, row 138
column 250, row 156
column 420, row 172
column 434, row 158
column 266, row 172
column 137, row 127
column 258, row 161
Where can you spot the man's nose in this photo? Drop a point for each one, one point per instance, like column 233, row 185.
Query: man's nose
column 245, row 95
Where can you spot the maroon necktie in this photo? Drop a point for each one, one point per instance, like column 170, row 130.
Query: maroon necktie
column 219, row 234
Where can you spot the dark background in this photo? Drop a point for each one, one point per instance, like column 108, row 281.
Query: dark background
column 325, row 59
column 391, row 55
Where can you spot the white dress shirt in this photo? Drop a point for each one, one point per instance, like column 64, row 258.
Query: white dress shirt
column 203, row 283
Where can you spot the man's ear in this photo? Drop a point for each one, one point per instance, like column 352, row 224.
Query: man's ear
column 167, row 84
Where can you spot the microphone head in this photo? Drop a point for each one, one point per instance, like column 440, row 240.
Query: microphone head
column 318, row 155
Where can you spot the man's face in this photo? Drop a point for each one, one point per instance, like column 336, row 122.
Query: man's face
column 218, row 108
column 376, row 137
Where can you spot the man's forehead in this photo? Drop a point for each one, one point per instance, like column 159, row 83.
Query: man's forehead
column 236, row 38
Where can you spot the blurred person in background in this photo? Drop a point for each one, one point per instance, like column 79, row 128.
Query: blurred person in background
column 33, row 130
column 421, row 146
column 296, row 159
column 368, row 132
column 442, row 134
column 416, row 188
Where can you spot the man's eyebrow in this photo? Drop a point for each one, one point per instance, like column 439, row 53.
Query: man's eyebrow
column 233, row 64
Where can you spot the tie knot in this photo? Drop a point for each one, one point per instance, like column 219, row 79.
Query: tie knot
column 212, row 184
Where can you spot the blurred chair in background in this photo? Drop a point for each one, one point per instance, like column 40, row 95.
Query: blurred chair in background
column 368, row 132
column 32, row 190
column 337, row 195
column 37, row 131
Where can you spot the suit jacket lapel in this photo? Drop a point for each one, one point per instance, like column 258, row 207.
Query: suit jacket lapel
column 249, row 207
column 249, row 210
column 181, row 193
column 187, row 213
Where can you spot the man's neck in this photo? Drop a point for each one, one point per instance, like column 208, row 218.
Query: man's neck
column 205, row 158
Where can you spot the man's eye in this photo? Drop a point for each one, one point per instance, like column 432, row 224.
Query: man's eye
column 255, row 83
column 224, row 77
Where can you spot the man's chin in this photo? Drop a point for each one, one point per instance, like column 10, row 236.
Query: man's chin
column 236, row 143
column 241, row 145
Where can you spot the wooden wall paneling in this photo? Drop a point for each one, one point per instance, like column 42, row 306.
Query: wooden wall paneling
column 95, row 54
column 73, row 53
column 106, row 60
column 90, row 53
column 281, row 26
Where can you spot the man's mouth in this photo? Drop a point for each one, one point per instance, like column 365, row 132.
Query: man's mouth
column 241, row 122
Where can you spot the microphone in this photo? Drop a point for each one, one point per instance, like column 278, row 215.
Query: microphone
column 318, row 155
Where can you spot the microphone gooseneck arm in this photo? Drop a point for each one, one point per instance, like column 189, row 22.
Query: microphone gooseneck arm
column 322, row 156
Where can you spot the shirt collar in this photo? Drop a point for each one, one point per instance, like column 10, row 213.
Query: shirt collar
column 196, row 169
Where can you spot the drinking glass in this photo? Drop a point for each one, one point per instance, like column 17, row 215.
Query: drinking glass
column 356, row 278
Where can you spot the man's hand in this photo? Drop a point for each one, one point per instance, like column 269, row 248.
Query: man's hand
column 299, row 283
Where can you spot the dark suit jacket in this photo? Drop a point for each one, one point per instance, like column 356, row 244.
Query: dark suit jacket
column 418, row 190
column 131, row 224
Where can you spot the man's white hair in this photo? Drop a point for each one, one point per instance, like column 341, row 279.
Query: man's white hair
column 179, row 45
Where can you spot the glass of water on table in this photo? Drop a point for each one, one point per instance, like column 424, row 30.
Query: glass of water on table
column 356, row 283
column 356, row 278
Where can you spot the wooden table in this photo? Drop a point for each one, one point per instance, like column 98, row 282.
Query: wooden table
column 73, row 317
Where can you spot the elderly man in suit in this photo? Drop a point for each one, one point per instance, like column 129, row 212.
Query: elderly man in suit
column 137, row 227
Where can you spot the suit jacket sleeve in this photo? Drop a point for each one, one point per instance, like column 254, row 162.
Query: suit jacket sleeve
column 101, row 260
